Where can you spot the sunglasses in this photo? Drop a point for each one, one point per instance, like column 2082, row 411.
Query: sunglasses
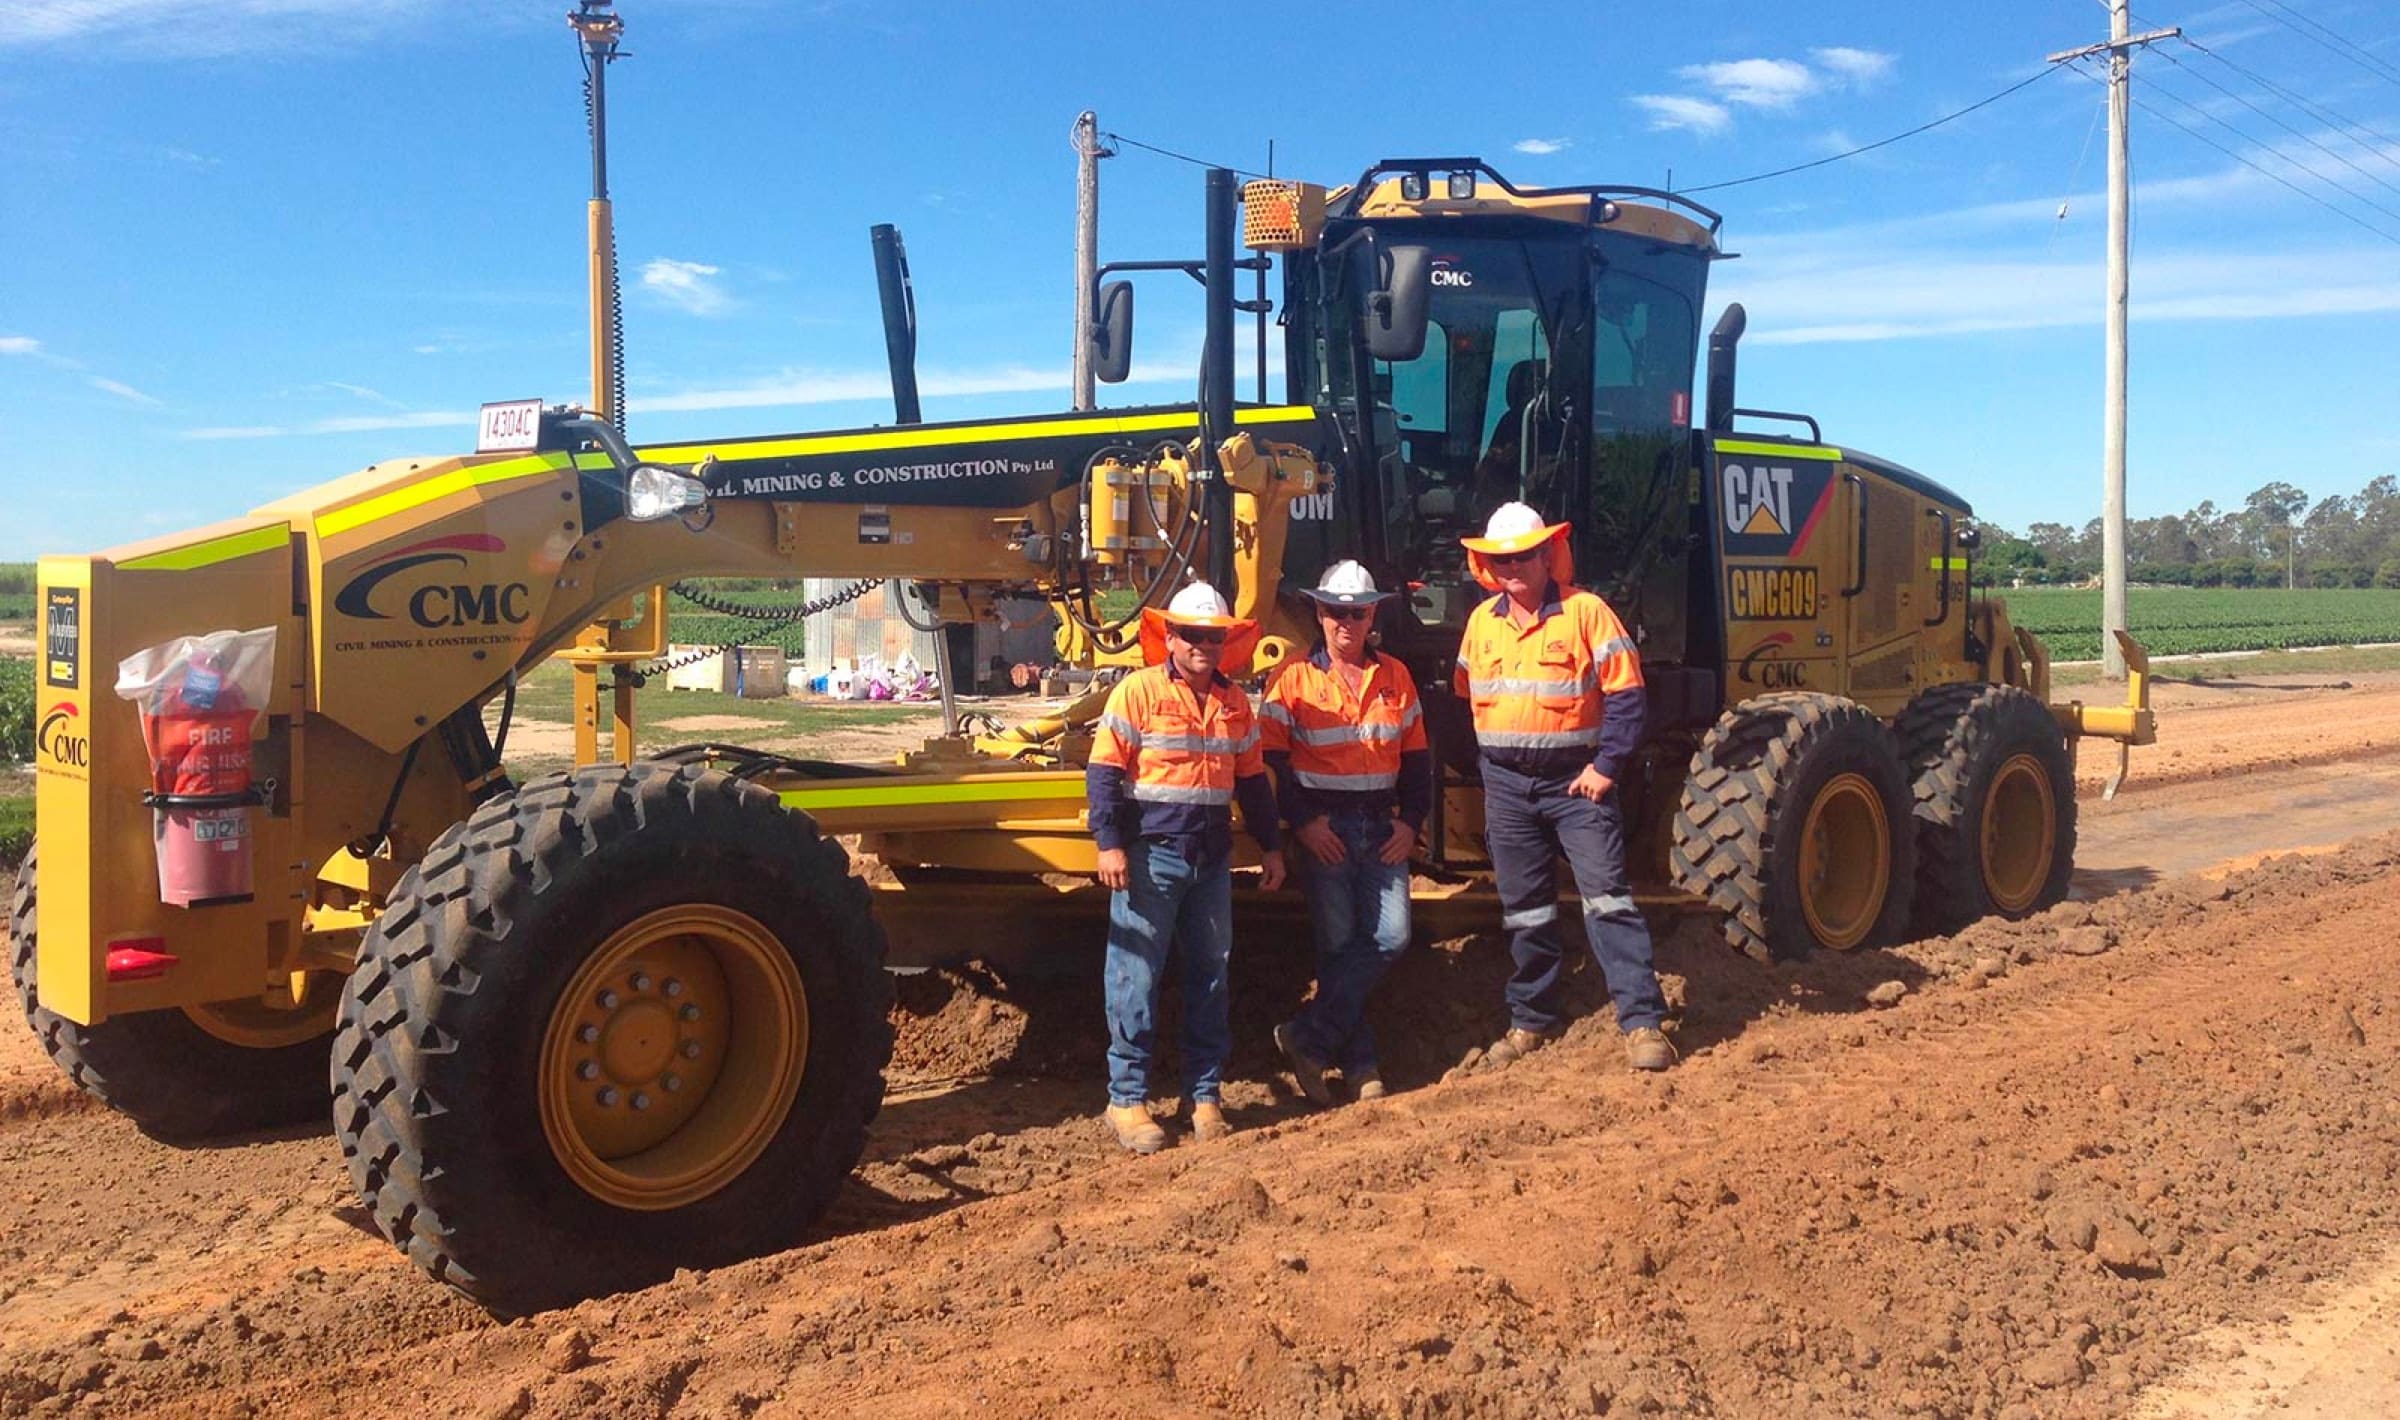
column 1347, row 613
column 1201, row 635
column 1510, row 559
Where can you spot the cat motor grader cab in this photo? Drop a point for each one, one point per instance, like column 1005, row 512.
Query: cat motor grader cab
column 600, row 1024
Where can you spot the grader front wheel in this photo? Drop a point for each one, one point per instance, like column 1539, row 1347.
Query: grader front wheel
column 1994, row 810
column 619, row 1022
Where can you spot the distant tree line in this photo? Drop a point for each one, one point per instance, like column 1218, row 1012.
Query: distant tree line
column 2275, row 536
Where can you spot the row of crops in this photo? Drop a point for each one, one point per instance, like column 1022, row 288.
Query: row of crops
column 2172, row 621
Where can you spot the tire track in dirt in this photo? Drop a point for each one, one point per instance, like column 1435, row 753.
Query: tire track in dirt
column 1793, row 1221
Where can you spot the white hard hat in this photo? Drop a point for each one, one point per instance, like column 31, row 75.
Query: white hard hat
column 1346, row 583
column 1199, row 604
column 1514, row 527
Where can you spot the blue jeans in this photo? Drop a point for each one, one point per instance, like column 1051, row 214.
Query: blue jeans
column 1168, row 900
column 1529, row 823
column 1360, row 908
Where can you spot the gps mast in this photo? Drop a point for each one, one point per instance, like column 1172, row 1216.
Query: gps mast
column 600, row 28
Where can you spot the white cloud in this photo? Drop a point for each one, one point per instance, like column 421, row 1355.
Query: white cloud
column 371, row 396
column 187, row 157
column 1756, row 83
column 1543, row 147
column 166, row 27
column 1835, row 140
column 352, row 424
column 19, row 345
column 121, row 390
column 1672, row 111
column 1859, row 68
column 689, row 286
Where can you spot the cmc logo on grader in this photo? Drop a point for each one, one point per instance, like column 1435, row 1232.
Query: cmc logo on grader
column 60, row 738
column 1766, row 666
column 435, row 605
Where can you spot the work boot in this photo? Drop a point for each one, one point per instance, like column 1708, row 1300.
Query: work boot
column 1517, row 1044
column 1135, row 1129
column 1647, row 1048
column 1209, row 1123
column 1368, row 1084
column 1310, row 1072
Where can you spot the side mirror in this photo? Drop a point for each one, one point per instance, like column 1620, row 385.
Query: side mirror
column 1397, row 308
column 1111, row 335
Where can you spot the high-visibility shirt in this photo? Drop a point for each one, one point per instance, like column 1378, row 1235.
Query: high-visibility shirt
column 1333, row 747
column 1562, row 691
column 1169, row 761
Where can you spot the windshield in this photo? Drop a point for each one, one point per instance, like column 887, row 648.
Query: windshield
column 1557, row 372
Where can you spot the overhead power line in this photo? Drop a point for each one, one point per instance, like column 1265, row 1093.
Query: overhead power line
column 1178, row 157
column 2309, row 139
column 2172, row 122
column 2326, row 39
column 2372, row 138
column 1879, row 143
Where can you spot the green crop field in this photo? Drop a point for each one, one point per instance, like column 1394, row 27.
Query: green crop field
column 2172, row 621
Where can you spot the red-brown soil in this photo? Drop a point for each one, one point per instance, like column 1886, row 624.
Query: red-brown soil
column 2064, row 1154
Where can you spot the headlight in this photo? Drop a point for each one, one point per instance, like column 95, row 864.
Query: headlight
column 652, row 492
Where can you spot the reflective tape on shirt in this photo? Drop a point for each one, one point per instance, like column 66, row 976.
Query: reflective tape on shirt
column 1352, row 734
column 1198, row 744
column 1180, row 794
column 1538, row 739
column 1122, row 728
column 1347, row 783
column 1512, row 685
column 1614, row 645
column 1274, row 710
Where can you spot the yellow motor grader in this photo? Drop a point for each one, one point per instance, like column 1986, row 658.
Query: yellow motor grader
column 596, row 1025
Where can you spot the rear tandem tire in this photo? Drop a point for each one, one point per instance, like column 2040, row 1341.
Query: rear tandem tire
column 176, row 1081
column 1793, row 825
column 1994, row 790
column 621, row 1021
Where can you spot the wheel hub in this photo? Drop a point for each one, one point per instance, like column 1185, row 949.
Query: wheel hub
column 673, row 1056
column 2019, row 834
column 1845, row 861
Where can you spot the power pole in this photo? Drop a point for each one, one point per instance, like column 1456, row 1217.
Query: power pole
column 1088, row 153
column 2119, row 48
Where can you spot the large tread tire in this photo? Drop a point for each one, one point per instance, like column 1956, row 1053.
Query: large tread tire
column 436, row 1065
column 1957, row 738
column 1737, row 830
column 175, row 1081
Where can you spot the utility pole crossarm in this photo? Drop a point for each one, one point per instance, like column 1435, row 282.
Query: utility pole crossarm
column 2106, row 45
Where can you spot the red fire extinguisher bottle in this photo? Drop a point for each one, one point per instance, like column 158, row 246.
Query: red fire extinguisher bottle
column 198, row 732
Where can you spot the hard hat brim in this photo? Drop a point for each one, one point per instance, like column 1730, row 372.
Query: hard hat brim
column 1522, row 542
column 1345, row 598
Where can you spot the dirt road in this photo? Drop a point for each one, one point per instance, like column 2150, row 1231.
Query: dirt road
column 2078, row 1166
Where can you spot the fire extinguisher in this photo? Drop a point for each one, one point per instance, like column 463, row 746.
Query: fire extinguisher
column 198, row 733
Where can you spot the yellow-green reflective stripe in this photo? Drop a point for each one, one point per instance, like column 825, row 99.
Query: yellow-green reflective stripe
column 400, row 500
column 1946, row 564
column 213, row 551
column 1781, row 451
column 919, row 438
column 871, row 795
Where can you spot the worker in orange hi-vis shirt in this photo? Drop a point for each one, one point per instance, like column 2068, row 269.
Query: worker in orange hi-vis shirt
column 1556, row 686
column 1175, row 748
column 1345, row 736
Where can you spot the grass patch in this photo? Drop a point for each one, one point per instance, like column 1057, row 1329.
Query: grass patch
column 16, row 823
column 2174, row 621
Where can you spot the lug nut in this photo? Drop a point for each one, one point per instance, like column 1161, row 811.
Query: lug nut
column 608, row 1095
column 587, row 1033
column 588, row 1070
column 691, row 1050
column 690, row 1013
column 672, row 987
column 670, row 1082
column 641, row 981
column 608, row 1000
column 640, row 1100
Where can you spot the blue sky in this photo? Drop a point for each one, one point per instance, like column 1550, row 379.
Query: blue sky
column 255, row 244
